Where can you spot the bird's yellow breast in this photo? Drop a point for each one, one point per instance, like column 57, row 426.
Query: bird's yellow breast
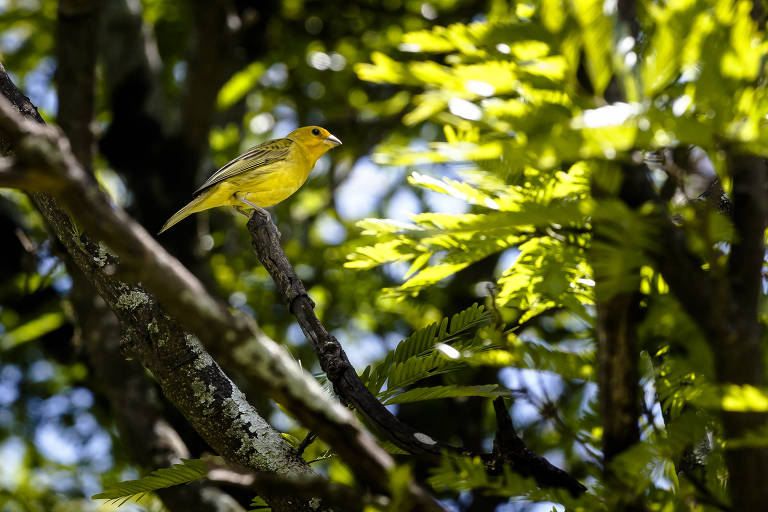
column 269, row 186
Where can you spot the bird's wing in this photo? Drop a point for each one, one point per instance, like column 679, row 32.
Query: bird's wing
column 258, row 157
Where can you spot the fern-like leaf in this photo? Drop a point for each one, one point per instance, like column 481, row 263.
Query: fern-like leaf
column 135, row 490
column 259, row 505
column 415, row 356
column 435, row 392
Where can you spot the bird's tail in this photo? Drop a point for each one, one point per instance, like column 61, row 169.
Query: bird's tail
column 195, row 205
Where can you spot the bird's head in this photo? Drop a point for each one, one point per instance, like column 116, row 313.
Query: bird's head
column 314, row 139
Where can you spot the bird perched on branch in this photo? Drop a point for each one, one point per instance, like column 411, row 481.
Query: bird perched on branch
column 262, row 176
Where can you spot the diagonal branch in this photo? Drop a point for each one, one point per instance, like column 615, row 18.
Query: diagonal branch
column 347, row 384
column 333, row 360
column 182, row 297
column 150, row 439
column 508, row 448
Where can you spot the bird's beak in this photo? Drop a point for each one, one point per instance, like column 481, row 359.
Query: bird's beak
column 332, row 141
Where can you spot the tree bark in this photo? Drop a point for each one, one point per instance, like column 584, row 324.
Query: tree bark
column 618, row 315
column 190, row 378
column 149, row 439
column 738, row 346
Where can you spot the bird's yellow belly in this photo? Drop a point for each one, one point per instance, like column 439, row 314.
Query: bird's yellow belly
column 261, row 189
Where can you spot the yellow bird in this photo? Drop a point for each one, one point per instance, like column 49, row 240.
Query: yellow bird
column 262, row 176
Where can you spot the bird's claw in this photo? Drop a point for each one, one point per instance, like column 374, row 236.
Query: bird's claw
column 253, row 208
column 243, row 211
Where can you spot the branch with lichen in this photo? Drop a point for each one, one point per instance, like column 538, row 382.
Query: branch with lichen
column 183, row 306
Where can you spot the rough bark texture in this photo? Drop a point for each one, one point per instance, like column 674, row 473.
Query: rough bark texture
column 190, row 379
column 206, row 395
column 149, row 439
column 723, row 303
column 175, row 357
column 739, row 353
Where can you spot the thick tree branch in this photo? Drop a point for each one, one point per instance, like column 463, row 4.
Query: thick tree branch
column 150, row 440
column 184, row 297
column 341, row 497
column 30, row 179
column 725, row 309
column 189, row 377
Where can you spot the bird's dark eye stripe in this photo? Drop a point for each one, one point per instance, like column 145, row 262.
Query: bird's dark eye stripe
column 315, row 132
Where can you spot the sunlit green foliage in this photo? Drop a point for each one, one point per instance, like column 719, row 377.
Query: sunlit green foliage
column 432, row 350
column 515, row 112
column 534, row 138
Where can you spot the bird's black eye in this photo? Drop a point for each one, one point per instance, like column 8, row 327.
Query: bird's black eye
column 315, row 131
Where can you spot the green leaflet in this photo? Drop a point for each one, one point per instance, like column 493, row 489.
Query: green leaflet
column 241, row 83
column 259, row 505
column 436, row 392
column 33, row 329
column 135, row 490
column 439, row 245
column 416, row 358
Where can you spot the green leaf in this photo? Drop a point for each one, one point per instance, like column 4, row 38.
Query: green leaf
column 414, row 358
column 188, row 471
column 241, row 83
column 259, row 505
column 33, row 329
column 436, row 392
column 597, row 38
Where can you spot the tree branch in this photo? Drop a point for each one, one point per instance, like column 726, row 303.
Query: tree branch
column 346, row 382
column 29, row 179
column 150, row 440
column 508, row 448
column 333, row 360
column 189, row 377
column 341, row 497
column 184, row 297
